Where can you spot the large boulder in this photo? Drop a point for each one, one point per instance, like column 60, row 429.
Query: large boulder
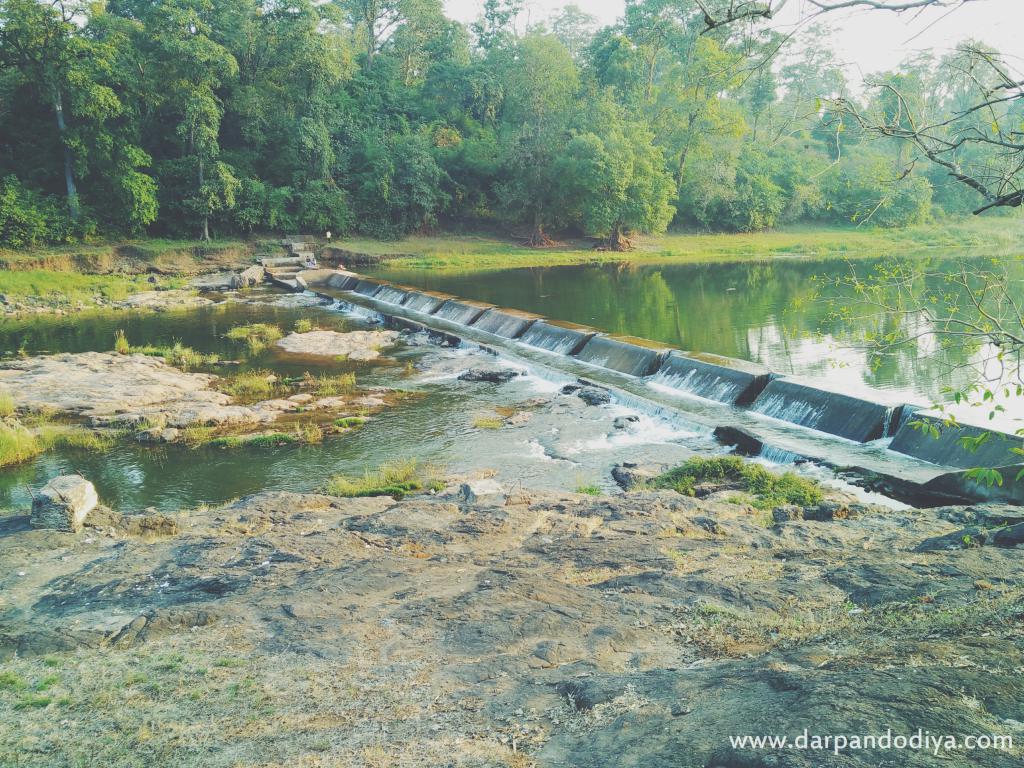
column 354, row 345
column 248, row 278
column 485, row 491
column 63, row 503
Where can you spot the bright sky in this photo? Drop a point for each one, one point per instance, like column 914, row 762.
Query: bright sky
column 867, row 40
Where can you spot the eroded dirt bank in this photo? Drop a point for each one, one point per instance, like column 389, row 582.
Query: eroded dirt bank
column 537, row 629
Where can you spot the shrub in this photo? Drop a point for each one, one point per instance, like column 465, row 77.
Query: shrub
column 303, row 325
column 28, row 217
column 121, row 345
column 768, row 488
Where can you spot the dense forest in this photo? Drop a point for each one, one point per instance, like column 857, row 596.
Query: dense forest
column 202, row 118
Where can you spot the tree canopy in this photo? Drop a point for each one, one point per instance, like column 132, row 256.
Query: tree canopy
column 199, row 117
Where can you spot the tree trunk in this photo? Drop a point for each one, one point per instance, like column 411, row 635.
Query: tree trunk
column 69, row 172
column 538, row 238
column 617, row 241
column 206, row 215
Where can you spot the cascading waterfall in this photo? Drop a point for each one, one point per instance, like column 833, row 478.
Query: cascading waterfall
column 368, row 288
column 778, row 455
column 831, row 412
column 559, row 339
column 507, row 325
column 391, row 295
column 734, row 382
column 459, row 312
column 621, row 356
column 422, row 302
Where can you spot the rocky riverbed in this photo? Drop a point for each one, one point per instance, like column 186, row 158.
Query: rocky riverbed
column 133, row 390
column 517, row 629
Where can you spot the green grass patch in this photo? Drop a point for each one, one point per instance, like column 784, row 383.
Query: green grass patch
column 256, row 336
column 766, row 488
column 68, row 289
column 33, row 701
column 250, row 385
column 121, row 345
column 7, row 406
column 197, row 435
column 303, row 325
column 396, row 479
column 330, row 386
column 589, row 490
column 350, row 422
column 71, row 436
column 18, row 443
column 178, row 355
column 9, row 681
column 302, row 434
column 488, row 422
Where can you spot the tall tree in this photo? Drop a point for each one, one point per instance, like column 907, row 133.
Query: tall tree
column 39, row 39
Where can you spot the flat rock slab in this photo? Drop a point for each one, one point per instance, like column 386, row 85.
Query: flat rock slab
column 355, row 345
column 104, row 383
column 109, row 388
column 161, row 300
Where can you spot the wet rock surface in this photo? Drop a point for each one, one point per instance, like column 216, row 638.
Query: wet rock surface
column 549, row 629
column 163, row 300
column 63, row 503
column 491, row 376
column 354, row 345
column 109, row 389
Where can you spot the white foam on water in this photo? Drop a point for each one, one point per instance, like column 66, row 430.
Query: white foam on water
column 690, row 384
column 534, row 450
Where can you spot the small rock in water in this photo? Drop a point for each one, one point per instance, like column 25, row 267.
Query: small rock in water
column 482, row 491
column 594, row 396
column 63, row 503
column 623, row 422
column 492, row 376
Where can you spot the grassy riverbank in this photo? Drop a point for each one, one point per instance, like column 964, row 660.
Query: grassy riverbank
column 94, row 274
column 91, row 274
column 997, row 235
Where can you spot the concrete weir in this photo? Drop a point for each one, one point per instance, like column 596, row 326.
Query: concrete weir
column 391, row 294
column 367, row 287
column 460, row 312
column 734, row 396
column 424, row 302
column 622, row 355
column 559, row 338
column 343, row 281
column 825, row 411
column 996, row 449
column 506, row 323
column 714, row 378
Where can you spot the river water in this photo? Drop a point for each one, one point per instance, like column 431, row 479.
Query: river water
column 563, row 444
